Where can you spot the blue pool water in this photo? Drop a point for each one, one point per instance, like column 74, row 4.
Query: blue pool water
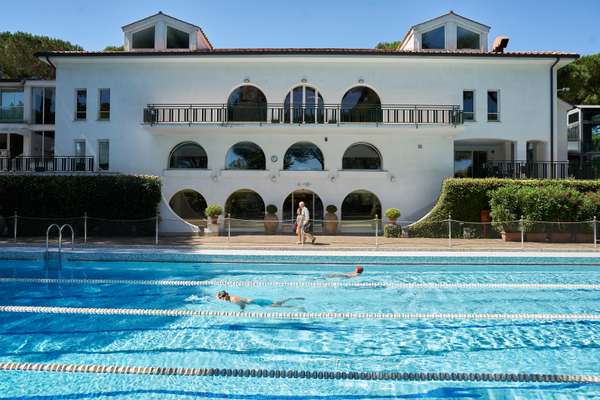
column 404, row 345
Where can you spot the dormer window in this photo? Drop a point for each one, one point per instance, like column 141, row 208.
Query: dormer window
column 143, row 39
column 434, row 39
column 466, row 39
column 177, row 39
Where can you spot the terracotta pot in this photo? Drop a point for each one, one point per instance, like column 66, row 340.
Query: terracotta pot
column 511, row 236
column 536, row 237
column 560, row 237
column 271, row 223
column 392, row 221
column 330, row 224
column 584, row 238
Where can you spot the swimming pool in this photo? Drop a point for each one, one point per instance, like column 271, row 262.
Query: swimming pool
column 413, row 315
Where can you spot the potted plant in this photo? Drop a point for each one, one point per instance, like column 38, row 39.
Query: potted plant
column 331, row 221
column 212, row 212
column 271, row 220
column 392, row 215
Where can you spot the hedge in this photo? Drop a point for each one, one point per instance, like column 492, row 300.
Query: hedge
column 112, row 197
column 464, row 198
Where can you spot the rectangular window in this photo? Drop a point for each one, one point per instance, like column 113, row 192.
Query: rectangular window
column 42, row 105
column 434, row 39
column 466, row 39
column 79, row 148
column 493, row 106
column 81, row 104
column 574, row 117
column 469, row 105
column 79, row 161
column 103, row 155
column 104, row 104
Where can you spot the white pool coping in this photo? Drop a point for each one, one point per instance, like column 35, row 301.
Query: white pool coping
column 315, row 253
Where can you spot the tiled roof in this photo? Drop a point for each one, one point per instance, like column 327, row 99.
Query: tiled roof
column 306, row 51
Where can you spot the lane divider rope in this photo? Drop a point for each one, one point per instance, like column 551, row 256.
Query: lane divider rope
column 290, row 315
column 230, row 283
column 299, row 374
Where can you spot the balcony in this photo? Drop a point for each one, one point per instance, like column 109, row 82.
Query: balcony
column 538, row 170
column 11, row 114
column 30, row 164
column 327, row 114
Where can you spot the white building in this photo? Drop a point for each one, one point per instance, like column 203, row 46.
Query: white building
column 361, row 129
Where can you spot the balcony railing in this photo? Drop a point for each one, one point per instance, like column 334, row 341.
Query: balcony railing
column 284, row 114
column 12, row 114
column 528, row 170
column 573, row 133
column 47, row 164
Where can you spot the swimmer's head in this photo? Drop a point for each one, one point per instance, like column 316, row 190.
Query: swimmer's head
column 359, row 269
column 223, row 295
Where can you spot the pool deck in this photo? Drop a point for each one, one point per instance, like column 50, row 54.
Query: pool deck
column 324, row 243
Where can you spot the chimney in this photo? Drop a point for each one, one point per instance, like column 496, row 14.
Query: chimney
column 500, row 44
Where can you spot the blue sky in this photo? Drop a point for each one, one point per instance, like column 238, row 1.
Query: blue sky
column 531, row 24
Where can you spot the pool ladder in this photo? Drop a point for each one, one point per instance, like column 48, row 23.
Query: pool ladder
column 53, row 260
column 60, row 230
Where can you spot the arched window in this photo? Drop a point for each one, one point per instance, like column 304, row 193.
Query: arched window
column 188, row 155
column 361, row 156
column 247, row 104
column 304, row 156
column 245, row 155
column 361, row 205
column 189, row 205
column 245, row 204
column 304, row 105
column 361, row 104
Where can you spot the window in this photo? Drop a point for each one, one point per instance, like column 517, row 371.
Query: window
column 469, row 105
column 303, row 156
column 434, row 39
column 304, row 104
column 177, row 39
column 574, row 117
column 103, row 155
column 361, row 205
column 466, row 39
column 79, row 161
column 361, row 104
column 245, row 204
column 11, row 105
column 43, row 105
column 81, row 104
column 143, row 39
column 189, row 205
column 361, row 156
column 245, row 155
column 247, row 103
column 493, row 109
column 79, row 148
column 188, row 155
column 104, row 104
column 42, row 144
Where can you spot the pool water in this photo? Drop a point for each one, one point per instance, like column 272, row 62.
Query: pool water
column 351, row 345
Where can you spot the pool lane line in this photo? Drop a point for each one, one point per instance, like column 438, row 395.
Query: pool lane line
column 299, row 374
column 228, row 283
column 290, row 315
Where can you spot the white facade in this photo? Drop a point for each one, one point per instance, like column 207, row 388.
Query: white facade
column 415, row 157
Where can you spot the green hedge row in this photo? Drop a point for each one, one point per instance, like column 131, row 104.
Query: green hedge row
column 112, row 197
column 464, row 199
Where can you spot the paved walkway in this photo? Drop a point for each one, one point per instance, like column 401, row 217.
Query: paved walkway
column 346, row 243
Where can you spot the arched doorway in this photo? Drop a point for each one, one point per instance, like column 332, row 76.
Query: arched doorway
column 189, row 205
column 247, row 103
column 361, row 104
column 361, row 205
column 311, row 200
column 245, row 204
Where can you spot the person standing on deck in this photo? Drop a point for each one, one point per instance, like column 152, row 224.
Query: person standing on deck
column 307, row 226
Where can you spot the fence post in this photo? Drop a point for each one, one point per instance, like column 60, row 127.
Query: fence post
column 595, row 234
column 450, row 230
column 376, row 231
column 522, row 228
column 228, row 226
column 85, row 227
column 156, row 230
column 15, row 228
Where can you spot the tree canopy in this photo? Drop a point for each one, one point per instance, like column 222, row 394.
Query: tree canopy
column 114, row 48
column 582, row 77
column 387, row 45
column 17, row 60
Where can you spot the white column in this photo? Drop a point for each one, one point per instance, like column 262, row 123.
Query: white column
column 521, row 150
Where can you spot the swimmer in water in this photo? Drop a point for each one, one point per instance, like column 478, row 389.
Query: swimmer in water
column 357, row 272
column 244, row 301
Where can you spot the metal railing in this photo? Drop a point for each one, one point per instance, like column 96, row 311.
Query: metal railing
column 573, row 133
column 47, row 164
column 524, row 169
column 303, row 114
column 11, row 114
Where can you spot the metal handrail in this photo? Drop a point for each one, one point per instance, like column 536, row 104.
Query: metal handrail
column 60, row 229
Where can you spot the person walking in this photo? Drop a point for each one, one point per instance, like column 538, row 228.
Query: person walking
column 307, row 226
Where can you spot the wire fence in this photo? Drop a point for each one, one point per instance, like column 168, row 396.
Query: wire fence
column 373, row 231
